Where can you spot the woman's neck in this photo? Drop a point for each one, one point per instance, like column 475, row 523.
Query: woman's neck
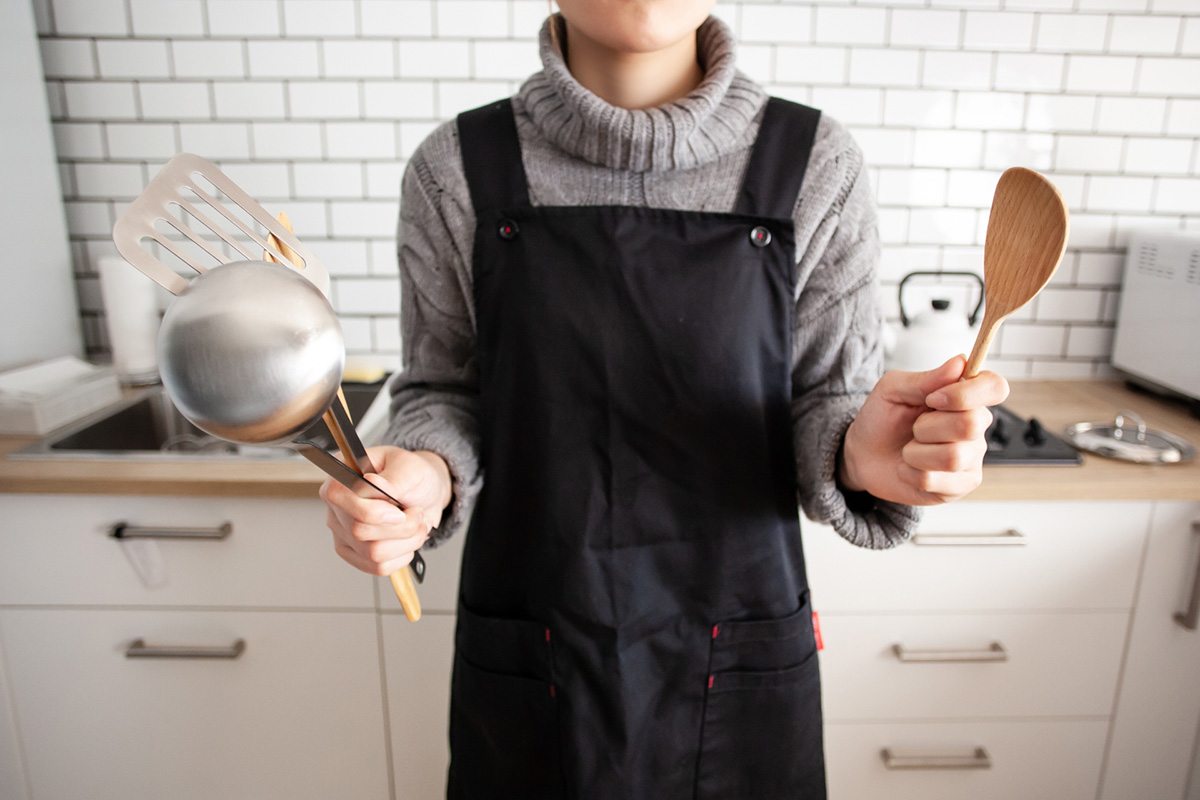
column 633, row 80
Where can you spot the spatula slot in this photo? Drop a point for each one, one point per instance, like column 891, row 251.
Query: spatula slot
column 193, row 212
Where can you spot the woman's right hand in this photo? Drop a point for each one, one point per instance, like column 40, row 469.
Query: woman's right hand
column 373, row 535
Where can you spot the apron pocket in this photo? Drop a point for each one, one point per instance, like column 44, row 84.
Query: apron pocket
column 503, row 715
column 761, row 734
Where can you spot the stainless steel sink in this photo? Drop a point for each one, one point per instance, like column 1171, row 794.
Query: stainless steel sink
column 147, row 426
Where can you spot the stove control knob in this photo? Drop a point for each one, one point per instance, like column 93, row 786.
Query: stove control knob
column 997, row 434
column 1035, row 434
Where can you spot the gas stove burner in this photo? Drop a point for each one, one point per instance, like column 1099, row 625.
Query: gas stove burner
column 1012, row 440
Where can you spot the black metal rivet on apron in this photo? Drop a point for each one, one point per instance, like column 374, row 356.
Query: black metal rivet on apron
column 682, row 664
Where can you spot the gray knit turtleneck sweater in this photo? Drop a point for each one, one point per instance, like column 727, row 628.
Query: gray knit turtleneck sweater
column 689, row 154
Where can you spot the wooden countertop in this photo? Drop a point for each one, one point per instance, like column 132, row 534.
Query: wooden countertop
column 1056, row 403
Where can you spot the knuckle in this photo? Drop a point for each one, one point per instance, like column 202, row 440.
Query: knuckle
column 927, row 482
column 380, row 551
column 361, row 531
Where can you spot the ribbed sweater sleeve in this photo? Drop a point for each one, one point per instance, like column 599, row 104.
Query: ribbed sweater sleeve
column 836, row 352
column 435, row 395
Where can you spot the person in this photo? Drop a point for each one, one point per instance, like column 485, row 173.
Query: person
column 640, row 332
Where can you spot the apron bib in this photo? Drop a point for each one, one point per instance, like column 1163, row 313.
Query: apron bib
column 633, row 616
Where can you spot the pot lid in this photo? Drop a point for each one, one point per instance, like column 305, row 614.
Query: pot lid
column 1128, row 439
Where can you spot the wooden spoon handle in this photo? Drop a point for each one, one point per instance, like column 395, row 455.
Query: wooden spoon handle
column 983, row 340
column 406, row 591
column 402, row 582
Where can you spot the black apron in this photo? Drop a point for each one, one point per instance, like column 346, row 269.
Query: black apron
column 633, row 617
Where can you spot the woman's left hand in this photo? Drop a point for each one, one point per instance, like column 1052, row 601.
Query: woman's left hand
column 919, row 437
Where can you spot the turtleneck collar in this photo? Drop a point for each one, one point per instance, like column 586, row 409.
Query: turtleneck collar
column 712, row 120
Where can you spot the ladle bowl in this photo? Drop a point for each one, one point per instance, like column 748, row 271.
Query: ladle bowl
column 251, row 352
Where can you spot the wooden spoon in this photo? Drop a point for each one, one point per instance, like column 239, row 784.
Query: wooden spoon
column 402, row 581
column 1026, row 237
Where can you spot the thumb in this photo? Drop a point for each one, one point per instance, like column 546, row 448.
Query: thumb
column 911, row 388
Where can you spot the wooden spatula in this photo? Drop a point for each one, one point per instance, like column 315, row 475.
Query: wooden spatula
column 1026, row 237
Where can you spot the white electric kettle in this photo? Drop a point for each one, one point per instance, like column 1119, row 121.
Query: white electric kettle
column 929, row 338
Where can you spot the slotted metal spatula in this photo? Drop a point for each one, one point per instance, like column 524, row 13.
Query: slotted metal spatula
column 179, row 199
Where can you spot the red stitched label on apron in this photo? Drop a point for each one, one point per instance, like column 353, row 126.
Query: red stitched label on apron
column 817, row 631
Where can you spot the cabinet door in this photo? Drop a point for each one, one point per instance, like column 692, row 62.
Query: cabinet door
column 298, row 715
column 418, row 657
column 12, row 773
column 1157, row 715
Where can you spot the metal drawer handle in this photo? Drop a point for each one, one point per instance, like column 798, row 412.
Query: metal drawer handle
column 125, row 531
column 994, row 654
column 1191, row 618
column 1009, row 538
column 977, row 760
column 139, row 649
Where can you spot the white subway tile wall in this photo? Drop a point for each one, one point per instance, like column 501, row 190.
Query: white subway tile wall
column 313, row 106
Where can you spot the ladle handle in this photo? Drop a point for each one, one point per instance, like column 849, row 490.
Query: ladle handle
column 402, row 582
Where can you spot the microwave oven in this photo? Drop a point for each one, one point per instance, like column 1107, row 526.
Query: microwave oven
column 1157, row 340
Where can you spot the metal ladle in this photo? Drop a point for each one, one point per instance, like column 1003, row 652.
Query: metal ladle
column 252, row 352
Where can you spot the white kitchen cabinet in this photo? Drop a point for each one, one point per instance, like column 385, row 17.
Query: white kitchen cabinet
column 1012, row 619
column 299, row 714
column 1158, row 713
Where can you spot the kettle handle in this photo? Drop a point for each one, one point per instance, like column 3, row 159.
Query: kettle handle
column 974, row 313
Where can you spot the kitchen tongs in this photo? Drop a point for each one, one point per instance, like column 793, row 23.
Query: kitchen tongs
column 182, row 197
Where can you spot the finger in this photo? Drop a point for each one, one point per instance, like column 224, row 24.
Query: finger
column 953, row 457
column 911, row 388
column 985, row 389
column 370, row 510
column 941, row 487
column 363, row 564
column 935, row 427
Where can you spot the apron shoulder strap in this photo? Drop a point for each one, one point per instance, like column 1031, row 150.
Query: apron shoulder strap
column 778, row 160
column 491, row 157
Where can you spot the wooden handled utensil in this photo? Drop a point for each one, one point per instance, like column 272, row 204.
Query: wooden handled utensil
column 1026, row 237
column 402, row 582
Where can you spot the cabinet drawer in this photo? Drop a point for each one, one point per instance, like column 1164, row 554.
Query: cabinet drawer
column 1053, row 665
column 56, row 550
column 1030, row 760
column 1062, row 556
column 298, row 714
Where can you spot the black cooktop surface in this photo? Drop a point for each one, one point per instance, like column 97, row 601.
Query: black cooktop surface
column 1013, row 440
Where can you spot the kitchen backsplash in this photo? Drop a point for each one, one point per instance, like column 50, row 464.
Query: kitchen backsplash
column 314, row 105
